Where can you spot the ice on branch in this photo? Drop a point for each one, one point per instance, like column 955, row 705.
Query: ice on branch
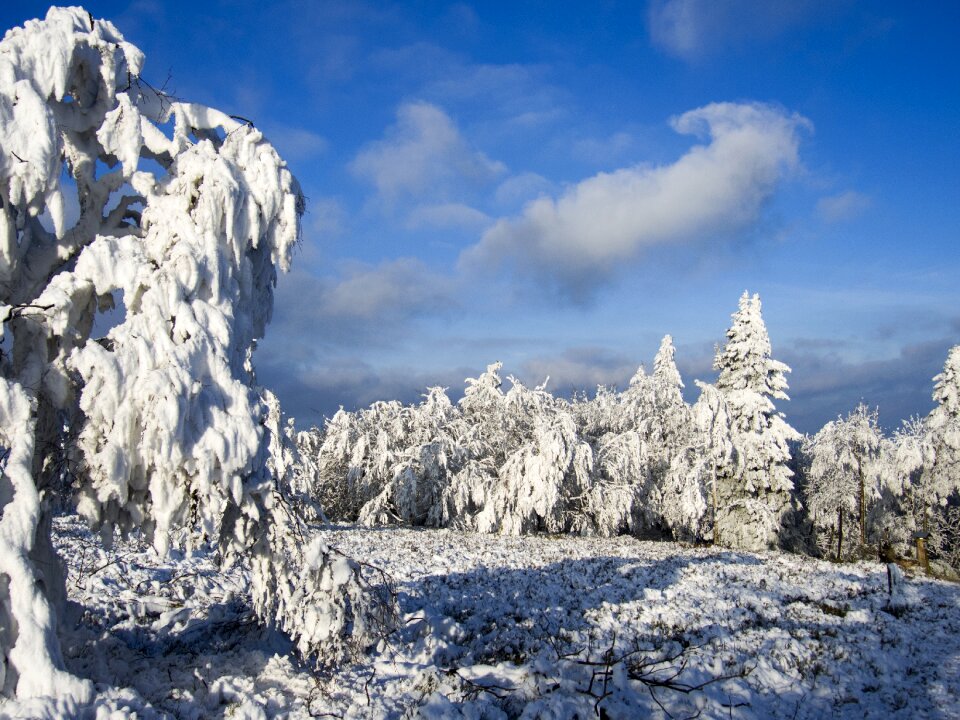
column 185, row 216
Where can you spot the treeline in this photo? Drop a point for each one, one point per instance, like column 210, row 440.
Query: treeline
column 727, row 469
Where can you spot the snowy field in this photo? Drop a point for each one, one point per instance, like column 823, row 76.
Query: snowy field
column 533, row 627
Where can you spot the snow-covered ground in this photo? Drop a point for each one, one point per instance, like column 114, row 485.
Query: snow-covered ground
column 536, row 627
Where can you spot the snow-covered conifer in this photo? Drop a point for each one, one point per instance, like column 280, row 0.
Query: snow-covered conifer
column 943, row 426
column 715, row 430
column 942, row 474
column 843, row 480
column 754, row 494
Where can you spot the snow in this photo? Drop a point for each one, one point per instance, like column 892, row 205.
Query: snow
column 501, row 626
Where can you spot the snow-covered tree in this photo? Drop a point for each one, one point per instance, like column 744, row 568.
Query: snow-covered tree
column 714, row 428
column 941, row 481
column 185, row 216
column 943, row 427
column 541, row 486
column 843, row 479
column 358, row 456
column 754, row 493
column 306, row 471
column 430, row 455
column 598, row 415
column 636, row 403
column 624, row 494
column 702, row 445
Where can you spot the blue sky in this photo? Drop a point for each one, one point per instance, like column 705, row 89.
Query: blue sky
column 558, row 185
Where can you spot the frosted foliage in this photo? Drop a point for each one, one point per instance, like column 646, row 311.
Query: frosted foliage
column 358, row 456
column 937, row 491
column 172, row 431
column 598, row 415
column 754, row 492
column 943, row 427
column 316, row 594
column 520, row 461
column 946, row 390
column 665, row 367
column 30, row 664
column 624, row 496
column 483, row 391
column 712, row 418
column 465, row 495
column 844, row 481
column 430, row 455
column 541, row 484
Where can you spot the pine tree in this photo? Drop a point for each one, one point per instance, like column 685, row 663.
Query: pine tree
column 943, row 427
column 714, row 429
column 942, row 473
column 843, row 480
column 754, row 493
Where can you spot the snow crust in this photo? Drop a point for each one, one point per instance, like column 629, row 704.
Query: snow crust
column 501, row 626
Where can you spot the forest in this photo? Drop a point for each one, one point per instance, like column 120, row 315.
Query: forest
column 727, row 470
column 171, row 546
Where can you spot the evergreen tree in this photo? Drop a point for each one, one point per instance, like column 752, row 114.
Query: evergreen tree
column 943, row 427
column 714, row 429
column 754, row 492
column 942, row 473
column 843, row 479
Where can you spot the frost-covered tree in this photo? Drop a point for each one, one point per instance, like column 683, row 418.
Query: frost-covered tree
column 636, row 435
column 911, row 454
column 687, row 495
column 714, row 428
column 432, row 452
column 623, row 497
column 943, row 428
column 754, row 493
column 541, row 486
column 598, row 415
column 941, row 481
column 843, row 478
column 358, row 455
column 185, row 216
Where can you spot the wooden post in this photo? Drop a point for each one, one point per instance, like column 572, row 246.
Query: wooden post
column 922, row 553
column 922, row 560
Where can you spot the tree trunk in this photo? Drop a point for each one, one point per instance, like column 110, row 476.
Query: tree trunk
column 863, row 510
column 716, row 535
column 839, row 533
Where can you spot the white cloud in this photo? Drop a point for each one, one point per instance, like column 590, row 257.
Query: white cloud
column 447, row 215
column 594, row 226
column 394, row 289
column 692, row 29
column 580, row 369
column 517, row 94
column 843, row 206
column 422, row 152
column 324, row 219
column 522, row 187
column 601, row 150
